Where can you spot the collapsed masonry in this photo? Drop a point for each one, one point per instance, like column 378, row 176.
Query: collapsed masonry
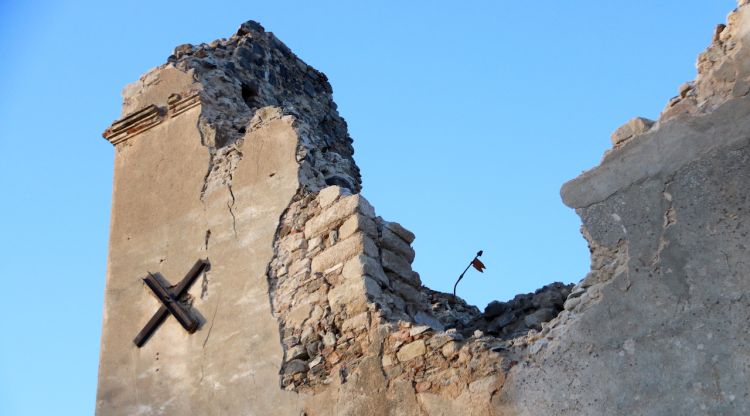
column 311, row 305
column 339, row 272
column 342, row 287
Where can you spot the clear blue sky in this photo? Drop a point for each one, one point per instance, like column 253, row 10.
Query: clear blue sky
column 467, row 117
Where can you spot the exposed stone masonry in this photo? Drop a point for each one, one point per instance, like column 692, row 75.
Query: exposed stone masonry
column 343, row 289
column 523, row 313
column 252, row 70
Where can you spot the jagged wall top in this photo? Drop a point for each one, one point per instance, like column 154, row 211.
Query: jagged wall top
column 723, row 76
column 723, row 71
column 236, row 77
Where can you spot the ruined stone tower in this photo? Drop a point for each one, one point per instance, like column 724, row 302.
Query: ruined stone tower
column 232, row 157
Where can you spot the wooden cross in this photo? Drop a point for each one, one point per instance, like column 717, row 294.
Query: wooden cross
column 170, row 305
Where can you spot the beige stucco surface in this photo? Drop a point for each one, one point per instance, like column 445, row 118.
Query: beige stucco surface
column 159, row 224
column 155, row 87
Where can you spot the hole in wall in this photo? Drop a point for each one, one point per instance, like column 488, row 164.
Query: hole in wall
column 249, row 94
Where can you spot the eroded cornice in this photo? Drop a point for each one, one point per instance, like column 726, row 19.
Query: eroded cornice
column 148, row 117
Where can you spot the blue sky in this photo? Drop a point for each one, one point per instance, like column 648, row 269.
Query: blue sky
column 467, row 118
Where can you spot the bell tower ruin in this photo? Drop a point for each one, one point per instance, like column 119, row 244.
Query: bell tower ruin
column 248, row 274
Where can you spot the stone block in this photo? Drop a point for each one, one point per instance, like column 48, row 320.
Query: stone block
column 422, row 386
column 362, row 265
column 411, row 351
column 502, row 321
column 348, row 296
column 300, row 266
column 402, row 232
column 317, row 313
column 329, row 195
column 294, row 367
column 634, row 127
column 297, row 351
column 549, row 299
column 495, row 308
column 360, row 321
column 418, row 330
column 485, row 385
column 571, row 303
column 333, row 238
column 314, row 245
column 423, row 318
column 293, row 242
column 406, row 291
column 336, row 213
column 372, row 288
column 356, row 223
column 387, row 361
column 315, row 361
column 393, row 242
column 329, row 339
column 438, row 340
column 535, row 319
column 298, row 315
column 343, row 251
column 400, row 266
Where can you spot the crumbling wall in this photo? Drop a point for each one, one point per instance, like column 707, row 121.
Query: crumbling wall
column 311, row 304
column 353, row 323
column 657, row 326
column 342, row 287
column 242, row 81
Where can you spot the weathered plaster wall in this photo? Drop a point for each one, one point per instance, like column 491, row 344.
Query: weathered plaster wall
column 659, row 325
column 163, row 221
column 234, row 151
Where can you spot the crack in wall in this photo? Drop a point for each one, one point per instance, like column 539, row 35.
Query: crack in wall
column 213, row 320
column 204, row 286
column 230, row 205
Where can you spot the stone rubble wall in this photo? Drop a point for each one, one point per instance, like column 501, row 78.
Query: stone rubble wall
column 524, row 313
column 343, row 289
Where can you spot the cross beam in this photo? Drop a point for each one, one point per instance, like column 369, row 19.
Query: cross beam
column 170, row 305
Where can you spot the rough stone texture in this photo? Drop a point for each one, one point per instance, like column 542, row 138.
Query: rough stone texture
column 234, row 151
column 364, row 310
column 634, row 127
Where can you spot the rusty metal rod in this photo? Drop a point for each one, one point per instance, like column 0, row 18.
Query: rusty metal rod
column 479, row 253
